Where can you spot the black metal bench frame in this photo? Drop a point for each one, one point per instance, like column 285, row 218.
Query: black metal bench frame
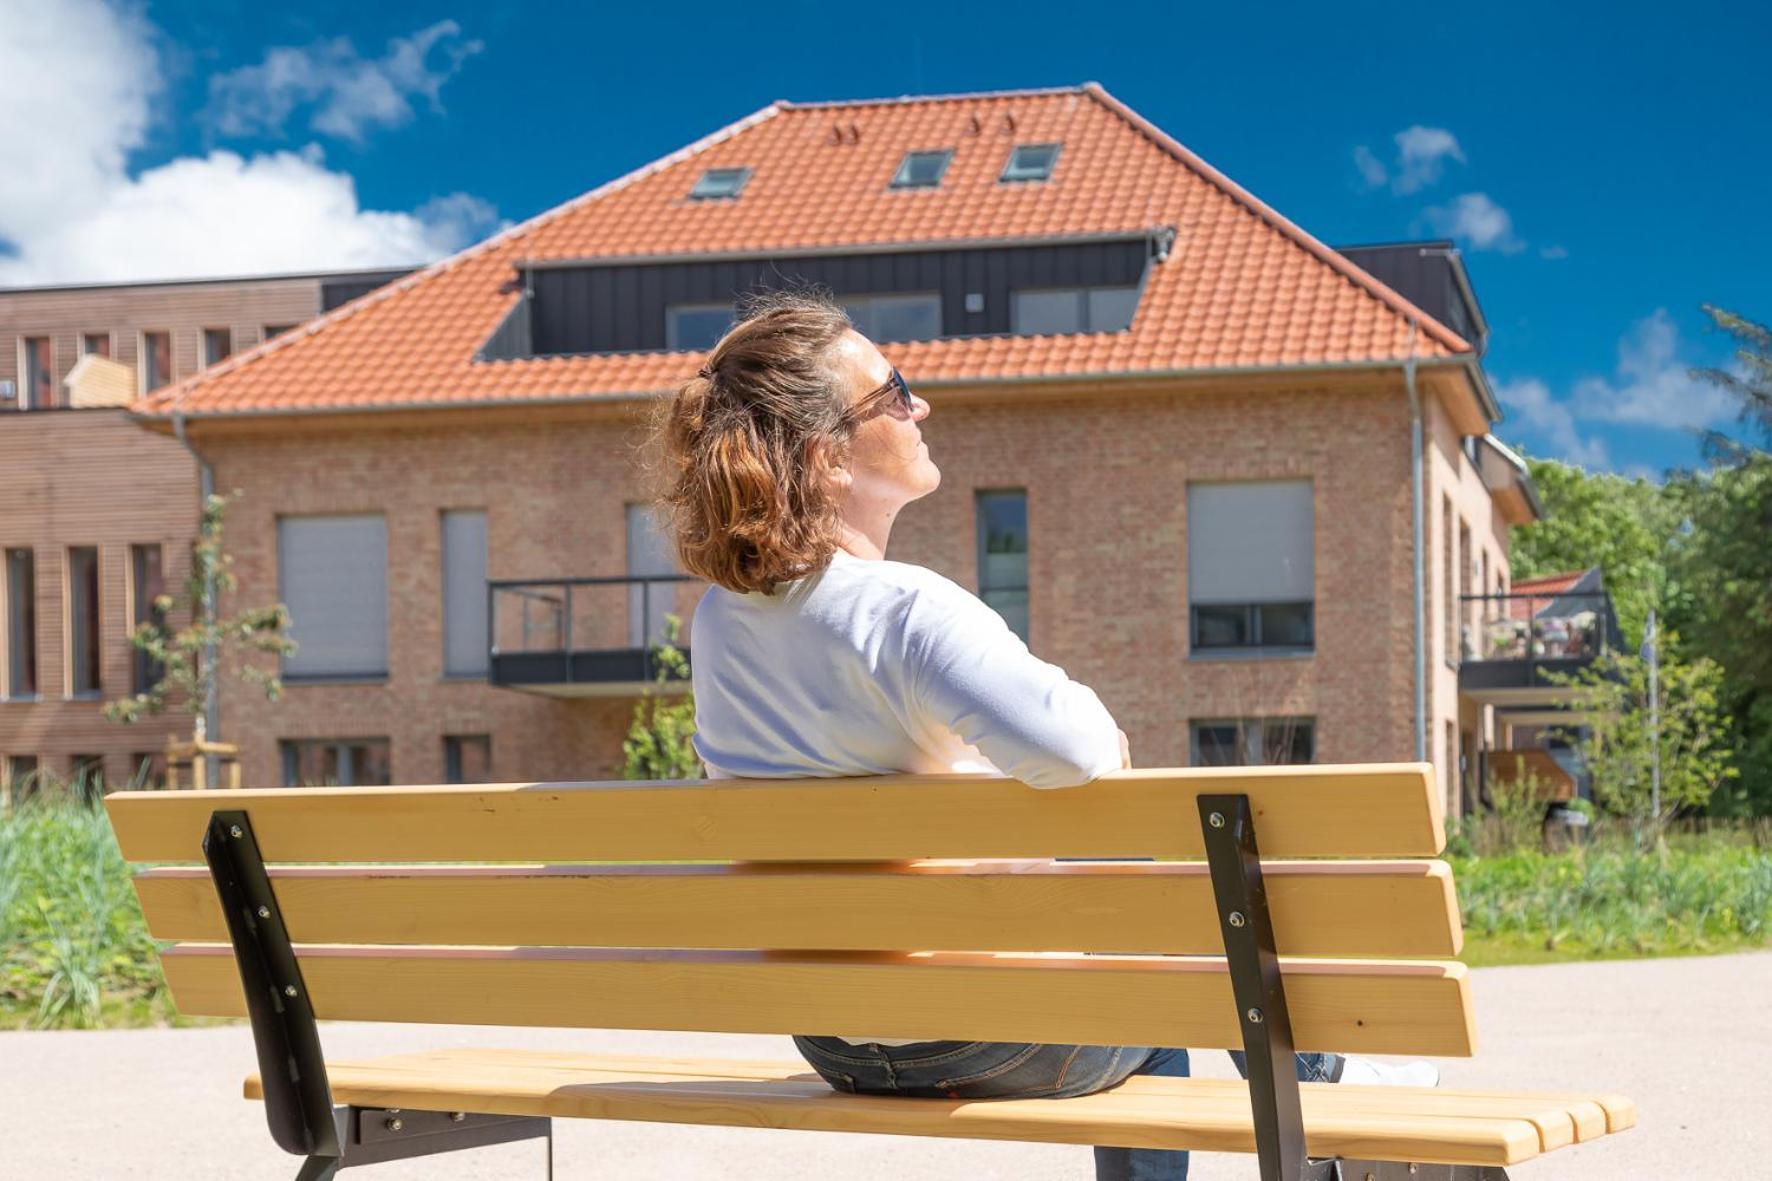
column 305, row 1121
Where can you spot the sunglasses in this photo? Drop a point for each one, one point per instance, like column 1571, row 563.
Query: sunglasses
column 893, row 397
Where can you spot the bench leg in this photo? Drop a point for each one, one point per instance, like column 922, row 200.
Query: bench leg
column 320, row 1168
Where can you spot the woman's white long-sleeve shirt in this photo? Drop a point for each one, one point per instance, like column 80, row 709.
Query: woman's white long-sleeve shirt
column 871, row 667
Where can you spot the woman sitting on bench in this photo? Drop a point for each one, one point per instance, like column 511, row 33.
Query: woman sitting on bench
column 789, row 456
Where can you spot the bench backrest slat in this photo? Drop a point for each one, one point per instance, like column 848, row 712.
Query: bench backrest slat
column 1006, row 943
column 1380, row 908
column 1360, row 1006
column 1355, row 811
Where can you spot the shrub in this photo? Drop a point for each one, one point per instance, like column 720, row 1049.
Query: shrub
column 72, row 939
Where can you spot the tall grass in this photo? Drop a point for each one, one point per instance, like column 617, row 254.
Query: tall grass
column 74, row 950
column 1620, row 890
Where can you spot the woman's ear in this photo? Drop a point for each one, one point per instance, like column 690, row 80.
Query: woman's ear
column 825, row 464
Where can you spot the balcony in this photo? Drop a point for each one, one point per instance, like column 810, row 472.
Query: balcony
column 1515, row 647
column 586, row 637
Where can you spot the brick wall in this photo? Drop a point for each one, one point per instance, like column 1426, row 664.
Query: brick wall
column 1106, row 476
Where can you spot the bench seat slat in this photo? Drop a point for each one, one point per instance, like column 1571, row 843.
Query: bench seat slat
column 1358, row 1006
column 1201, row 1115
column 1378, row 810
column 1350, row 909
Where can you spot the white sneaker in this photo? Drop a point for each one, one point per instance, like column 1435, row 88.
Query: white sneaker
column 1366, row 1073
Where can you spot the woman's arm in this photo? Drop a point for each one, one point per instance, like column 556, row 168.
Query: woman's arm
column 974, row 676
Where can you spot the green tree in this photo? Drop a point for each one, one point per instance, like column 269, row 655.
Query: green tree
column 1621, row 746
column 1722, row 558
column 658, row 743
column 188, row 659
column 1619, row 524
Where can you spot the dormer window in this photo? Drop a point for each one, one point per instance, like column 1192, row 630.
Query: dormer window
column 922, row 170
column 1030, row 162
column 718, row 184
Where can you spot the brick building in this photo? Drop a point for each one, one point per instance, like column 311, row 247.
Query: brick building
column 1236, row 480
column 96, row 515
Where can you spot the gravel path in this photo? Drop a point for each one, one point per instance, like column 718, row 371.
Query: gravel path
column 1689, row 1039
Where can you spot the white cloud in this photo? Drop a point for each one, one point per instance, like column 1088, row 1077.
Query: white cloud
column 1553, row 421
column 1477, row 221
column 346, row 93
column 78, row 110
column 1422, row 153
column 1652, row 384
column 79, row 77
column 1372, row 169
column 1554, row 252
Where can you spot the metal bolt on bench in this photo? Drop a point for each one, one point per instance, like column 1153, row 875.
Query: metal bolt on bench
column 298, row 1098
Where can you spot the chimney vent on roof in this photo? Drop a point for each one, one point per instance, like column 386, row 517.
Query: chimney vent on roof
column 976, row 126
column 1009, row 123
column 855, row 133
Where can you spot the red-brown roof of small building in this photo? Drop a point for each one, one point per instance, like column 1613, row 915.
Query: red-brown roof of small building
column 1241, row 287
column 1549, row 584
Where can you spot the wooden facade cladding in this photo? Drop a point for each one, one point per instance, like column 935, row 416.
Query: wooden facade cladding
column 88, row 478
column 122, row 313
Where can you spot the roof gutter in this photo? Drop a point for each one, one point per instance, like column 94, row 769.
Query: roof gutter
column 1417, row 550
column 618, row 397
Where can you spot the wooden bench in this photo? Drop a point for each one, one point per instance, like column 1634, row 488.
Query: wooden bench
column 920, row 907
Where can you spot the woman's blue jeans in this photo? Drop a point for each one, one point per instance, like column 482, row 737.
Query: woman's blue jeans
column 1007, row 1070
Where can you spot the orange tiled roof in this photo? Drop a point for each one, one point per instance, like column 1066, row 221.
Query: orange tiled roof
column 1242, row 286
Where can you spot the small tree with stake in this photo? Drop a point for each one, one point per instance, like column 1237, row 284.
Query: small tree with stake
column 188, row 659
column 658, row 743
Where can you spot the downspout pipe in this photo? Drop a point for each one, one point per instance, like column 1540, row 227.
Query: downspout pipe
column 206, row 489
column 1418, row 547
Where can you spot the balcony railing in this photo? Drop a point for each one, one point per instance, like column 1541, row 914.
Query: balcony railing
column 576, row 637
column 1515, row 640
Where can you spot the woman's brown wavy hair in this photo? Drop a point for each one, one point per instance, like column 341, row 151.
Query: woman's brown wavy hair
column 748, row 441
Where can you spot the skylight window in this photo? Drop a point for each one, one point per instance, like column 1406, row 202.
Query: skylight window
column 719, row 184
column 1030, row 162
column 922, row 170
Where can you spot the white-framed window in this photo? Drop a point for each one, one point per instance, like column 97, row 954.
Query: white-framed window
column 1029, row 162
column 85, row 640
column 21, row 623
column 466, row 649
column 696, row 327
column 156, row 359
column 882, row 318
column 922, row 170
column 1055, row 311
column 332, row 574
column 218, row 345
column 1251, row 567
column 37, row 366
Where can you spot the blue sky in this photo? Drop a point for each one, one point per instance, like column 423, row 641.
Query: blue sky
column 1602, row 164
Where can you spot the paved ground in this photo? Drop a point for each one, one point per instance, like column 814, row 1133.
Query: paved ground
column 1689, row 1039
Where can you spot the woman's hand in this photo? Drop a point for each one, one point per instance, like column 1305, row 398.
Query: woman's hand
column 1125, row 751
